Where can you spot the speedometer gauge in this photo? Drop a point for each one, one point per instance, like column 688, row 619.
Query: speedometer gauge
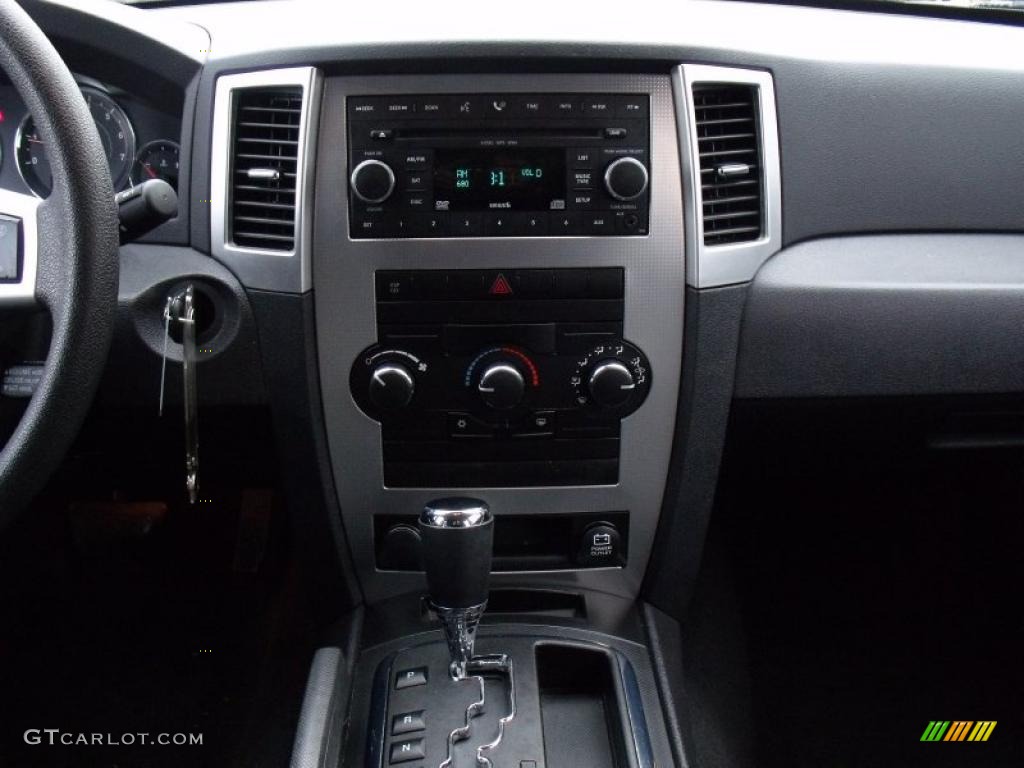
column 116, row 135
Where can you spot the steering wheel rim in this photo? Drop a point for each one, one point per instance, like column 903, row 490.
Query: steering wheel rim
column 73, row 271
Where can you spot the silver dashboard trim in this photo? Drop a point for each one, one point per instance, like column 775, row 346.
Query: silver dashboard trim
column 718, row 265
column 25, row 206
column 287, row 271
column 345, row 317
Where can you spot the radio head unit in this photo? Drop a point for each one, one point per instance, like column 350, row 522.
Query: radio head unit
column 499, row 165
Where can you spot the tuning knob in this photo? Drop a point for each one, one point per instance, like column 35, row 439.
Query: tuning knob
column 391, row 386
column 372, row 181
column 626, row 178
column 611, row 384
column 501, row 386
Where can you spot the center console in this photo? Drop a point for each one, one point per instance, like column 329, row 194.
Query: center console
column 499, row 277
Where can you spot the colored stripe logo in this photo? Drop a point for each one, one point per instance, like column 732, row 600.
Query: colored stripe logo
column 958, row 730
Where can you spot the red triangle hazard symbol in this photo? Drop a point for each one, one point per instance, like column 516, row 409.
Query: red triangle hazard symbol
column 500, row 287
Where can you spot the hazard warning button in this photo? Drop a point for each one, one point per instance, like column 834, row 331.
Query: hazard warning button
column 500, row 286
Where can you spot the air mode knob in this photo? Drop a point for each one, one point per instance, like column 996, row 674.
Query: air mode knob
column 611, row 384
column 626, row 178
column 372, row 181
column 501, row 386
column 391, row 386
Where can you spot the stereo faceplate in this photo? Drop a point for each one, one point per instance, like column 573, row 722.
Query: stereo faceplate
column 499, row 165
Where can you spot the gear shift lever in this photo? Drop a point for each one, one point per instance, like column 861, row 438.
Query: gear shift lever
column 458, row 536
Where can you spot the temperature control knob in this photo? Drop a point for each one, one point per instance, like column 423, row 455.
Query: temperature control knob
column 626, row 178
column 611, row 384
column 391, row 386
column 501, row 386
column 372, row 181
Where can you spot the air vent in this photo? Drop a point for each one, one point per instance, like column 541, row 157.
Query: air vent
column 265, row 158
column 730, row 162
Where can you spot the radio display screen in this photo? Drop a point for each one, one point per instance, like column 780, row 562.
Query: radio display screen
column 498, row 179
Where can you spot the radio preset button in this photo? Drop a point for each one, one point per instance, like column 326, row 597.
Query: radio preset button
column 500, row 224
column 428, row 224
column 467, row 224
column 532, row 224
column 565, row 223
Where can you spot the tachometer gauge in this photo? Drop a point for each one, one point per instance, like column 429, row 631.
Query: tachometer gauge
column 116, row 135
column 157, row 160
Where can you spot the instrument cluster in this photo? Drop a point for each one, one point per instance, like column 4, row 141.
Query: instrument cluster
column 140, row 141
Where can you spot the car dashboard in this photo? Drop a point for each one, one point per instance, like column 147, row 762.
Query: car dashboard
column 536, row 263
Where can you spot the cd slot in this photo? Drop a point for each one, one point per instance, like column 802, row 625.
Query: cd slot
column 453, row 135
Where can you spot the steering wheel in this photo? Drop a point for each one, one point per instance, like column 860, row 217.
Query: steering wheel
column 67, row 259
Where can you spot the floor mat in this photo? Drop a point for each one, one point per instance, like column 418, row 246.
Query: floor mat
column 883, row 588
column 119, row 648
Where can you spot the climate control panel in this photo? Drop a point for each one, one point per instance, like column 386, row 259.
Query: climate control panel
column 500, row 377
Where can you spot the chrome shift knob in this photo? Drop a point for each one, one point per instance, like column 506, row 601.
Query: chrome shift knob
column 458, row 539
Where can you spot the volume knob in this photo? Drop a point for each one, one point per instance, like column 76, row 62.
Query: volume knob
column 626, row 178
column 372, row 181
column 391, row 386
column 611, row 384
